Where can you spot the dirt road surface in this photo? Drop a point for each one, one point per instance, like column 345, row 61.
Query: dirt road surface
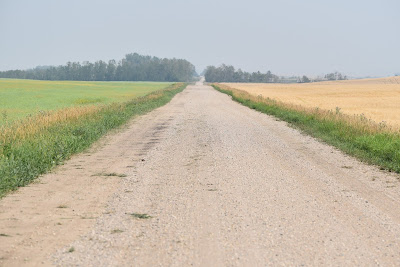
column 204, row 181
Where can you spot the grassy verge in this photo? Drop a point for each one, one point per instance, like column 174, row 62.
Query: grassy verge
column 33, row 146
column 371, row 142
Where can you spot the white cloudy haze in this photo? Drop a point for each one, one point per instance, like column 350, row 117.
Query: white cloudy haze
column 312, row 37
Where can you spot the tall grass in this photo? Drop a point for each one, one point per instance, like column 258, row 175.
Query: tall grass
column 372, row 142
column 31, row 147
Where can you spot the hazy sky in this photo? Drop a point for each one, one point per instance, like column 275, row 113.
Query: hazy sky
column 356, row 37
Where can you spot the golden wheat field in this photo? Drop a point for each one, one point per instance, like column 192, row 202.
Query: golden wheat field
column 377, row 99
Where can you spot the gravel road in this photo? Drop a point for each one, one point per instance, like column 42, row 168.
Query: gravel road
column 204, row 181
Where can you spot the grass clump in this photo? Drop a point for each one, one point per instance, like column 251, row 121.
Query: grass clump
column 372, row 142
column 140, row 215
column 35, row 145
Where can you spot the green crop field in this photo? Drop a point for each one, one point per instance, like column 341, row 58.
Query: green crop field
column 35, row 144
column 20, row 98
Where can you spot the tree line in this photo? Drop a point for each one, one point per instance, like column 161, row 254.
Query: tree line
column 226, row 73
column 133, row 67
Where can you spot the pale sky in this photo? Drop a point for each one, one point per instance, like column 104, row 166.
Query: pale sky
column 312, row 37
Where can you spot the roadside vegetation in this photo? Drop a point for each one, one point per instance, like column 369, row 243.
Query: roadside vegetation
column 372, row 142
column 34, row 145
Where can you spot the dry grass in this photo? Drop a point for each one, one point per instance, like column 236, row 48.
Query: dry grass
column 376, row 99
column 30, row 126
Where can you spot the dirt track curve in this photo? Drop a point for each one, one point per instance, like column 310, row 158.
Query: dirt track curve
column 224, row 186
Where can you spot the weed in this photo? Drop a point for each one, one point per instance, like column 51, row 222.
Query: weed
column 117, row 231
column 71, row 249
column 88, row 218
column 62, row 207
column 109, row 174
column 4, row 235
column 141, row 215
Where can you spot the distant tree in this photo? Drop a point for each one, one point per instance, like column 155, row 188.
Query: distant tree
column 305, row 79
column 111, row 69
column 330, row 76
column 334, row 76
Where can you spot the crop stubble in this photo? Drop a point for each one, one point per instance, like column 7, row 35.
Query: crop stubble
column 377, row 99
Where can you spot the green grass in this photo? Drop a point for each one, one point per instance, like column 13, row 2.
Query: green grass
column 20, row 98
column 26, row 155
column 356, row 136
